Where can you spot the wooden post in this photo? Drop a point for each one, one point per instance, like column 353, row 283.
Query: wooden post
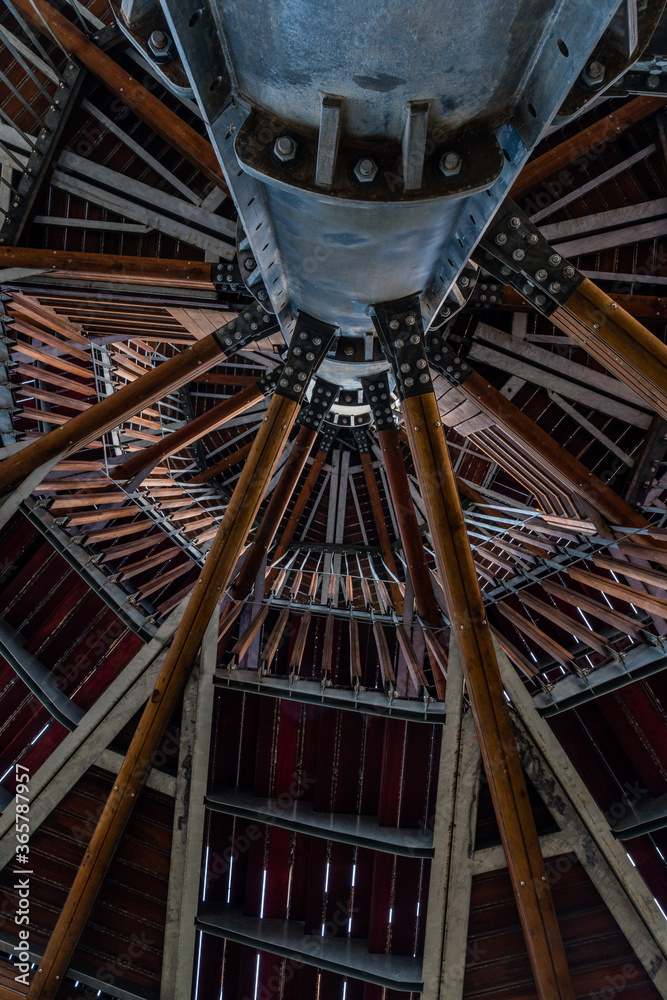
column 192, row 146
column 215, row 576
column 145, row 460
column 618, row 341
column 399, row 327
column 383, row 534
column 473, row 637
column 297, row 511
column 109, row 412
column 275, row 510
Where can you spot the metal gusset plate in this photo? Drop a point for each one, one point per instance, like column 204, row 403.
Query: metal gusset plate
column 513, row 250
column 226, row 277
column 399, row 327
column 310, row 342
column 378, row 395
column 253, row 323
column 322, row 399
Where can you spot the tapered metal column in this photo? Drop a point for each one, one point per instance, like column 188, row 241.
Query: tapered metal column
column 135, row 396
column 399, row 323
column 215, row 576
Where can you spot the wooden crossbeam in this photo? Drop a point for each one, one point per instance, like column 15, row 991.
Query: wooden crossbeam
column 192, row 146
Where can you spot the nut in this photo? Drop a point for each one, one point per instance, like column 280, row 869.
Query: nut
column 450, row 164
column 365, row 170
column 594, row 73
column 285, row 148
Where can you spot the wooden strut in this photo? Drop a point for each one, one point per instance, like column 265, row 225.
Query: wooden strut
column 411, row 539
column 192, row 146
column 618, row 341
column 109, row 412
column 274, row 513
column 295, row 516
column 143, row 461
column 160, row 270
column 380, row 524
column 472, row 635
column 214, row 578
column 549, row 454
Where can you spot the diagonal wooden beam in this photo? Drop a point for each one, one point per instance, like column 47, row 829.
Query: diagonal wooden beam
column 471, row 632
column 169, row 686
column 140, row 464
column 187, row 273
column 192, row 146
column 214, row 578
column 603, row 131
column 383, row 534
column 135, row 396
column 515, row 251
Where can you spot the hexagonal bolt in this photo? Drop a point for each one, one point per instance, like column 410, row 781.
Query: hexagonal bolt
column 594, row 73
column 450, row 164
column 285, row 148
column 159, row 43
column 365, row 170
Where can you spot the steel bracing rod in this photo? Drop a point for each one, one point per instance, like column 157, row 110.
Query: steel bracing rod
column 215, row 576
column 193, row 147
column 140, row 464
column 399, row 327
column 135, row 396
column 516, row 252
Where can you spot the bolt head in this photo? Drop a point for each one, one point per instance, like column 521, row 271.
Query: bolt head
column 365, row 170
column 450, row 165
column 555, row 286
column 531, row 239
column 159, row 39
column 518, row 254
column 514, row 222
column 555, row 259
column 501, row 239
column 541, row 275
column 285, row 148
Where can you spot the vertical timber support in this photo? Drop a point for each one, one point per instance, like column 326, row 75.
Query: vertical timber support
column 189, row 818
column 215, row 576
column 311, row 420
column 377, row 394
column 400, row 329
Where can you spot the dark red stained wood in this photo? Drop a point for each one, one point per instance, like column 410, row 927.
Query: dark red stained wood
column 26, row 724
column 43, row 561
column 326, row 755
column 244, row 834
column 406, row 897
column 268, row 718
column 314, row 906
column 634, row 742
column 363, row 891
column 219, row 839
column 392, row 773
column 380, row 902
column 289, row 723
column 113, row 665
column 416, row 774
column 231, row 967
column 373, row 749
column 308, row 760
column 337, row 911
column 350, row 754
column 210, row 975
column 649, row 715
column 55, row 609
column 228, row 718
column 255, row 873
column 299, row 884
column 277, row 873
column 249, row 738
column 652, row 867
column 17, row 536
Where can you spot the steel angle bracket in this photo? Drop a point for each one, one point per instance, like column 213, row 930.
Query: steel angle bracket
column 514, row 251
